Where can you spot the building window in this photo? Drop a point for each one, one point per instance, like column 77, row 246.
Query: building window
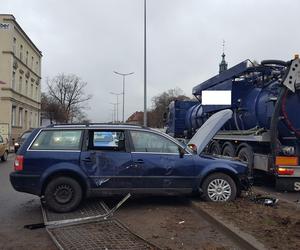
column 36, row 93
column 37, row 67
column 30, row 120
column 21, row 117
column 21, row 52
column 13, row 116
column 14, row 45
column 31, row 90
column 26, row 120
column 26, row 58
column 20, row 84
column 13, row 83
column 26, row 87
column 32, row 59
column 35, row 120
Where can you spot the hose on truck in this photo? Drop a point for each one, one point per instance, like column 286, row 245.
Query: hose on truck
column 278, row 108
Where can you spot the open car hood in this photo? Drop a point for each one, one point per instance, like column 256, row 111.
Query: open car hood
column 208, row 130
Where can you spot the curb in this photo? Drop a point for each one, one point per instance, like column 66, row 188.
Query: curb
column 243, row 240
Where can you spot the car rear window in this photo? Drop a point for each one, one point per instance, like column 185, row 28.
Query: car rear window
column 58, row 140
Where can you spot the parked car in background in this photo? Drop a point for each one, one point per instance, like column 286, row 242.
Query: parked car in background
column 66, row 163
column 3, row 149
column 21, row 139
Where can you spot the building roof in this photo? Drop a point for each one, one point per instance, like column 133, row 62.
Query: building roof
column 10, row 17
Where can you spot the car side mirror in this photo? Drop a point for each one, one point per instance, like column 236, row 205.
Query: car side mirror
column 181, row 152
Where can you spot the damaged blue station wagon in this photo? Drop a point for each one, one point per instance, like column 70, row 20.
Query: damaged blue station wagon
column 67, row 163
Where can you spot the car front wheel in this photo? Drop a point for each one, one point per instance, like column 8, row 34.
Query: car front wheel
column 63, row 194
column 219, row 187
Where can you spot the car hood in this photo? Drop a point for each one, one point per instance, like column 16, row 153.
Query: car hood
column 208, row 130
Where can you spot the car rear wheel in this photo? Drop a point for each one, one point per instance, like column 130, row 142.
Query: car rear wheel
column 63, row 194
column 4, row 156
column 219, row 187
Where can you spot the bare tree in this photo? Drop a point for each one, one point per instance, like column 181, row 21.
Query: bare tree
column 51, row 109
column 161, row 103
column 68, row 92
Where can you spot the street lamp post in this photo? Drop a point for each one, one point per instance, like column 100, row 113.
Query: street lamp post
column 117, row 94
column 114, row 111
column 123, row 75
column 145, row 64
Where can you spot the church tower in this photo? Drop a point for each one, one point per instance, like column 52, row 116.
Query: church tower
column 223, row 65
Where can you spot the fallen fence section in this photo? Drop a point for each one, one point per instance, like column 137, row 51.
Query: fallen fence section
column 106, row 234
column 91, row 226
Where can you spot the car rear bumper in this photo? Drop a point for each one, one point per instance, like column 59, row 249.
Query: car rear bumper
column 25, row 183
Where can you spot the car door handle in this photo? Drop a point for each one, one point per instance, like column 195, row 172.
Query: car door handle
column 87, row 159
column 139, row 161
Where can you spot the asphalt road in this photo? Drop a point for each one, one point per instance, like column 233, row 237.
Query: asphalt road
column 16, row 210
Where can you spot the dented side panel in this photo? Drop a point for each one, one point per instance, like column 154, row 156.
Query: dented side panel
column 102, row 166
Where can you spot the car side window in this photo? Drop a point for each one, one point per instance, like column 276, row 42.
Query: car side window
column 57, row 140
column 106, row 140
column 150, row 142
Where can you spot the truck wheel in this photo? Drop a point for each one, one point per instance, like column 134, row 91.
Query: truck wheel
column 63, row 194
column 246, row 155
column 4, row 156
column 219, row 187
column 215, row 148
column 228, row 150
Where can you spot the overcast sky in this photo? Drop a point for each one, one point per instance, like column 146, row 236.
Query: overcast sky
column 92, row 38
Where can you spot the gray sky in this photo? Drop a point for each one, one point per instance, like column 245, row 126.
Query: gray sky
column 92, row 38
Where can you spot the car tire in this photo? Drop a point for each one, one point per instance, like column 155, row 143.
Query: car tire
column 215, row 148
column 228, row 150
column 63, row 194
column 246, row 155
column 219, row 187
column 4, row 156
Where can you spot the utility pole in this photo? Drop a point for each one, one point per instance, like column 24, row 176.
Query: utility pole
column 114, row 120
column 117, row 94
column 123, row 75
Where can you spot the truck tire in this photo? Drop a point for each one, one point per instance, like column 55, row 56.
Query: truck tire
column 63, row 194
column 246, row 155
column 4, row 156
column 215, row 148
column 219, row 187
column 229, row 150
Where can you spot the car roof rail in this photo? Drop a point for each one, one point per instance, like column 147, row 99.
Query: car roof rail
column 95, row 125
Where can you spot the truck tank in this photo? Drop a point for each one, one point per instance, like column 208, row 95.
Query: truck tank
column 254, row 93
